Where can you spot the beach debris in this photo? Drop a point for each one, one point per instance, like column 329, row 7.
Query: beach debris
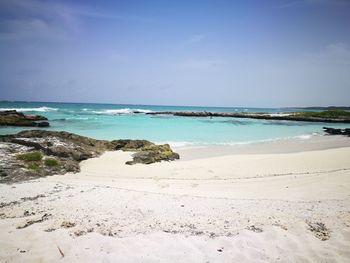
column 254, row 229
column 32, row 198
column 3, row 204
column 220, row 249
column 31, row 222
column 67, row 224
column 23, row 199
column 281, row 226
column 212, row 235
column 319, row 230
column 61, row 252
column 170, row 231
column 27, row 213
column 50, row 229
column 197, row 233
column 79, row 233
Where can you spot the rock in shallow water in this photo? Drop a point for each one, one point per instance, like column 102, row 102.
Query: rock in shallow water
column 334, row 131
column 14, row 118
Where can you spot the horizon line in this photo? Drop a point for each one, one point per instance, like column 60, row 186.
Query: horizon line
column 163, row 105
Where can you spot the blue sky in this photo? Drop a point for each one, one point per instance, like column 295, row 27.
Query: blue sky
column 217, row 53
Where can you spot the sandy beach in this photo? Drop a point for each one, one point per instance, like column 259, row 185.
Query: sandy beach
column 175, row 131
column 284, row 201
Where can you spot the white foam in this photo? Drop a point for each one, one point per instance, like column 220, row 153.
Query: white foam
column 176, row 144
column 40, row 109
column 80, row 118
column 307, row 136
column 180, row 144
column 304, row 136
column 279, row 114
column 121, row 111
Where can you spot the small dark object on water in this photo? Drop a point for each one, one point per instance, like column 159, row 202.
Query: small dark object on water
column 334, row 131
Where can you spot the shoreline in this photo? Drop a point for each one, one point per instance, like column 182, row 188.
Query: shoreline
column 283, row 145
column 285, row 201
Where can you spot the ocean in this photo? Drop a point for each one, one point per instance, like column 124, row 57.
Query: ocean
column 115, row 121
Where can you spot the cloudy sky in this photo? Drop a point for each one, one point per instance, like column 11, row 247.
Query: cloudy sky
column 217, row 53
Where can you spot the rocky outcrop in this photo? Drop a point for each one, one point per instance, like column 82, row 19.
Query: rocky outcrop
column 15, row 118
column 60, row 144
column 154, row 153
column 130, row 145
column 293, row 116
column 36, row 153
column 333, row 131
column 146, row 151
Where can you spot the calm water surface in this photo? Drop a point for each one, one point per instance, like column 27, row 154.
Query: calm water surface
column 111, row 121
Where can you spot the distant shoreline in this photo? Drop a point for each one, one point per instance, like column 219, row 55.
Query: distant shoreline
column 195, row 106
column 293, row 116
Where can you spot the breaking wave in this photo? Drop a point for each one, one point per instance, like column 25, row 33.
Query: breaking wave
column 120, row 111
column 40, row 109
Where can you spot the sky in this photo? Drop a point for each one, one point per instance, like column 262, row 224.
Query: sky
column 249, row 53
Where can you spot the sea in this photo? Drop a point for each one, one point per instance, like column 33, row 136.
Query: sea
column 120, row 121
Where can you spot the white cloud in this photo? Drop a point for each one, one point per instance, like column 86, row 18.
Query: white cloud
column 30, row 28
column 196, row 38
column 104, row 15
column 340, row 50
column 48, row 19
column 333, row 53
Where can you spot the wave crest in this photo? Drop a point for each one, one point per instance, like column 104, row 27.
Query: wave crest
column 120, row 111
column 40, row 109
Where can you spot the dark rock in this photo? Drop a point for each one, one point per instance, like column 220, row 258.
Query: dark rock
column 68, row 150
column 154, row 153
column 130, row 145
column 254, row 229
column 334, row 131
column 146, row 151
column 319, row 229
column 43, row 124
column 293, row 116
column 67, row 224
column 14, row 118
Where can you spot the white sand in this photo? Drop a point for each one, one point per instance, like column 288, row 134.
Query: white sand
column 249, row 207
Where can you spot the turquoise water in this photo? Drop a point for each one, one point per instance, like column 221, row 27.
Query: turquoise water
column 110, row 121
